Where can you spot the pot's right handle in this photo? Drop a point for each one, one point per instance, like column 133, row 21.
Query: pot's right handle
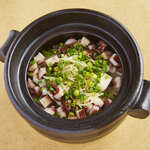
column 6, row 45
column 141, row 109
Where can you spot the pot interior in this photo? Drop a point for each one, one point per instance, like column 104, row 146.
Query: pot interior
column 62, row 38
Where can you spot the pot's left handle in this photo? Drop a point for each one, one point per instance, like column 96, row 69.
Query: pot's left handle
column 3, row 50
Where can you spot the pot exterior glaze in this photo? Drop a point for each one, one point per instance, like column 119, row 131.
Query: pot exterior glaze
column 134, row 95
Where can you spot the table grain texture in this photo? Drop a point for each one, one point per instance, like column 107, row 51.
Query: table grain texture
column 15, row 132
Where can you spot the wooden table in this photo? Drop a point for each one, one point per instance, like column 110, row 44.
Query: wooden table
column 15, row 132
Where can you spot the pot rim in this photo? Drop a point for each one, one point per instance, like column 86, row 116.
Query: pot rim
column 25, row 30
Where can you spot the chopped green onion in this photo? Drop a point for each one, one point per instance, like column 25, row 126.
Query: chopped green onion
column 40, row 81
column 106, row 76
column 98, row 88
column 84, row 53
column 59, row 80
column 49, row 69
column 42, row 65
column 42, row 88
column 94, row 76
column 87, row 75
column 66, row 95
column 33, row 62
column 89, row 64
column 67, row 62
column 82, row 97
column 51, row 89
column 71, row 114
column 46, row 53
column 51, row 79
column 106, row 93
column 56, row 69
column 76, row 93
column 91, row 90
column 69, row 84
column 36, row 99
column 90, row 83
column 30, row 74
column 61, row 44
column 74, row 103
column 57, row 114
column 62, row 55
column 50, row 64
column 61, row 66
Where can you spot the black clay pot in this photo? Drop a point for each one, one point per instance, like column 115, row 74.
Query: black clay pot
column 133, row 98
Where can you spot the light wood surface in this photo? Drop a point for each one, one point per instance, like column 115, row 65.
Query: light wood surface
column 15, row 132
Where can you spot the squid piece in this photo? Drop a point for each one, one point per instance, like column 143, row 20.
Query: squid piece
column 91, row 46
column 33, row 67
column 61, row 49
column 35, row 79
column 35, row 72
column 50, row 95
column 37, row 91
column 39, row 58
column 117, row 82
column 30, row 84
column 107, row 102
column 66, row 105
column 92, row 109
column 98, row 101
column 84, row 41
column 52, row 60
column 42, row 83
column 81, row 113
column 42, row 72
column 44, row 91
column 59, row 94
column 101, row 46
column 114, row 59
column 59, row 103
column 119, row 72
column 104, row 81
column 106, row 55
column 50, row 110
column 112, row 69
column 61, row 112
column 45, row 101
column 70, row 41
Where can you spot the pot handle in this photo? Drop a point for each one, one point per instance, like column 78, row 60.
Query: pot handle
column 141, row 109
column 3, row 50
